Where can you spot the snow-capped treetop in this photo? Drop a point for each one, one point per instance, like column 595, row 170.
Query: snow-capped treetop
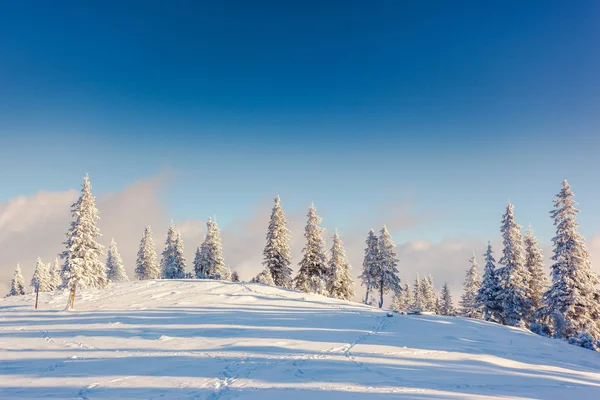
column 340, row 283
column 115, row 271
column 147, row 264
column 82, row 265
column 17, row 284
column 313, row 266
column 572, row 299
column 277, row 254
column 472, row 283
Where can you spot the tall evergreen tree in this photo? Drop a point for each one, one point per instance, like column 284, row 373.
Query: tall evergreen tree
column 147, row 264
column 472, row 284
column 277, row 256
column 446, row 307
column 340, row 283
column 572, row 300
column 55, row 272
column 115, row 271
column 312, row 276
column 199, row 265
column 17, row 284
column 386, row 275
column 514, row 287
column 534, row 263
column 418, row 302
column 173, row 261
column 428, row 298
column 82, row 265
column 212, row 263
column 489, row 291
column 370, row 265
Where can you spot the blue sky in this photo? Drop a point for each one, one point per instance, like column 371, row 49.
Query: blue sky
column 453, row 107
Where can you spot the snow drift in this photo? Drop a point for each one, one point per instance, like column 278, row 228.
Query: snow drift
column 217, row 340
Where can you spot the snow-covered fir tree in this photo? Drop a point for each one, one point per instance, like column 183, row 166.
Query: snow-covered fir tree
column 370, row 265
column 428, row 298
column 534, row 263
column 488, row 294
column 212, row 264
column 173, row 261
column 340, row 283
column 147, row 263
column 386, row 275
column 398, row 300
column 446, row 307
column 513, row 277
column 40, row 280
column 408, row 296
column 199, row 271
column 82, row 265
column 235, row 277
column 312, row 275
column 17, row 284
column 572, row 299
column 115, row 271
column 418, row 292
column 264, row 277
column 468, row 300
column 55, row 274
column 277, row 256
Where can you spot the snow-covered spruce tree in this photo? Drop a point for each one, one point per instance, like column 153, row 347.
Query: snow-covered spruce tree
column 82, row 265
column 513, row 277
column 398, row 300
column 199, row 271
column 488, row 294
column 572, row 300
column 370, row 265
column 386, row 276
column 40, row 280
column 173, row 261
column 147, row 264
column 312, row 275
column 115, row 271
column 418, row 300
column 446, row 307
column 408, row 296
column 235, row 277
column 212, row 264
column 54, row 270
column 277, row 256
column 17, row 284
column 265, row 277
column 340, row 283
column 428, row 299
column 468, row 300
column 534, row 263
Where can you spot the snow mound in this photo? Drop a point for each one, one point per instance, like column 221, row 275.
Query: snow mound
column 205, row 339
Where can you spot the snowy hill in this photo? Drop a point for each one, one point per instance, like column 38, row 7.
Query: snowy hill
column 218, row 340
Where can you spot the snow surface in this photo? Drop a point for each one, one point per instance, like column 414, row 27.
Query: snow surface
column 200, row 339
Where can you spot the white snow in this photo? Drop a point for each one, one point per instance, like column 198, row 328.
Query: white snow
column 206, row 339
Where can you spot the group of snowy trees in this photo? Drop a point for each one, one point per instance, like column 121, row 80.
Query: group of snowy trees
column 422, row 297
column 518, row 293
column 318, row 273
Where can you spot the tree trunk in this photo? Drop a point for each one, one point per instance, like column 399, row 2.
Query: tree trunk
column 367, row 297
column 71, row 298
column 381, row 294
column 37, row 294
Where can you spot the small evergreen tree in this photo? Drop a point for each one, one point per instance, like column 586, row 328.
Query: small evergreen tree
column 115, row 271
column 17, row 284
column 235, row 277
column 428, row 299
column 55, row 278
column 386, row 275
column 370, row 265
column 408, row 296
column 340, row 283
column 265, row 277
column 312, row 276
column 472, row 284
column 173, row 260
column 418, row 302
column 572, row 300
column 147, row 265
column 199, row 271
column 277, row 256
column 513, row 277
column 534, row 263
column 212, row 264
column 488, row 294
column 398, row 300
column 446, row 307
column 82, row 266
column 40, row 280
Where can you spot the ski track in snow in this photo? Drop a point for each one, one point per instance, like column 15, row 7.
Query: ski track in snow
column 208, row 340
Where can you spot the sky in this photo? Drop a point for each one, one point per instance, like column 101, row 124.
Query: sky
column 428, row 116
